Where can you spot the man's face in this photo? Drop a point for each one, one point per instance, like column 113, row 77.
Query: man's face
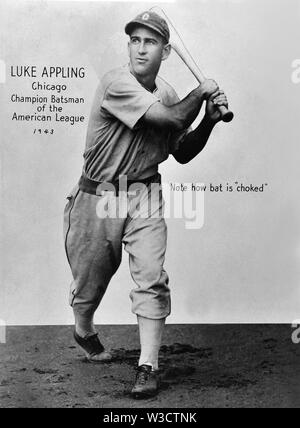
column 147, row 49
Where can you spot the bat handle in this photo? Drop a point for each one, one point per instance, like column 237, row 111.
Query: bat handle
column 227, row 115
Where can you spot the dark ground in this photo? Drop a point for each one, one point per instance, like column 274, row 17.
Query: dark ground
column 202, row 366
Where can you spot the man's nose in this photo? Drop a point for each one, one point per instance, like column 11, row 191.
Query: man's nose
column 142, row 48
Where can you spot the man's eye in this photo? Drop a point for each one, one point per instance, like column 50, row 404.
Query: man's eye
column 134, row 41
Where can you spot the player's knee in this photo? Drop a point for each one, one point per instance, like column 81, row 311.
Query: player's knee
column 149, row 274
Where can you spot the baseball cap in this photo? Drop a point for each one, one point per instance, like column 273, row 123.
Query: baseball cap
column 151, row 20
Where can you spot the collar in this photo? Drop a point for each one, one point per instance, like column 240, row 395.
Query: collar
column 154, row 92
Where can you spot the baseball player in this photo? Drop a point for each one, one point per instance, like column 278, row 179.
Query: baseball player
column 136, row 122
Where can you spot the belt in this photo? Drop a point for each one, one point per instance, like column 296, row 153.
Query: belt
column 96, row 187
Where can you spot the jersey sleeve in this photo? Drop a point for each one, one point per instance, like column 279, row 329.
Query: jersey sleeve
column 128, row 101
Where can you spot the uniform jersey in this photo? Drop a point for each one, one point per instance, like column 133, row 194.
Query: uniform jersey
column 117, row 144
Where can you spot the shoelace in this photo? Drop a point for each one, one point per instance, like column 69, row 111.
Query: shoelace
column 142, row 376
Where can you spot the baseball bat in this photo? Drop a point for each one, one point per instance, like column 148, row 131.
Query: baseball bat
column 182, row 51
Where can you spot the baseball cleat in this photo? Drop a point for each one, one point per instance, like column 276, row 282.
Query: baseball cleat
column 146, row 383
column 93, row 348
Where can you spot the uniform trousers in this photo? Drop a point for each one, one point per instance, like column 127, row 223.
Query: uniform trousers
column 97, row 224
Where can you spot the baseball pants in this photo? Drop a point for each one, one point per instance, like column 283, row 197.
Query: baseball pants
column 93, row 243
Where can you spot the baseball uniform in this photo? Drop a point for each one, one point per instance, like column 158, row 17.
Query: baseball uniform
column 119, row 145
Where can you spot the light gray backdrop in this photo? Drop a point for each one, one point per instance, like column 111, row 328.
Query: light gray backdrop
column 243, row 265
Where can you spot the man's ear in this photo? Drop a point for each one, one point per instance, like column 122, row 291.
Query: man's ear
column 166, row 51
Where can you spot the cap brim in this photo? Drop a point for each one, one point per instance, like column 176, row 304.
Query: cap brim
column 130, row 27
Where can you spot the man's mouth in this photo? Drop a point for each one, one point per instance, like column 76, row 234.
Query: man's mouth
column 141, row 60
